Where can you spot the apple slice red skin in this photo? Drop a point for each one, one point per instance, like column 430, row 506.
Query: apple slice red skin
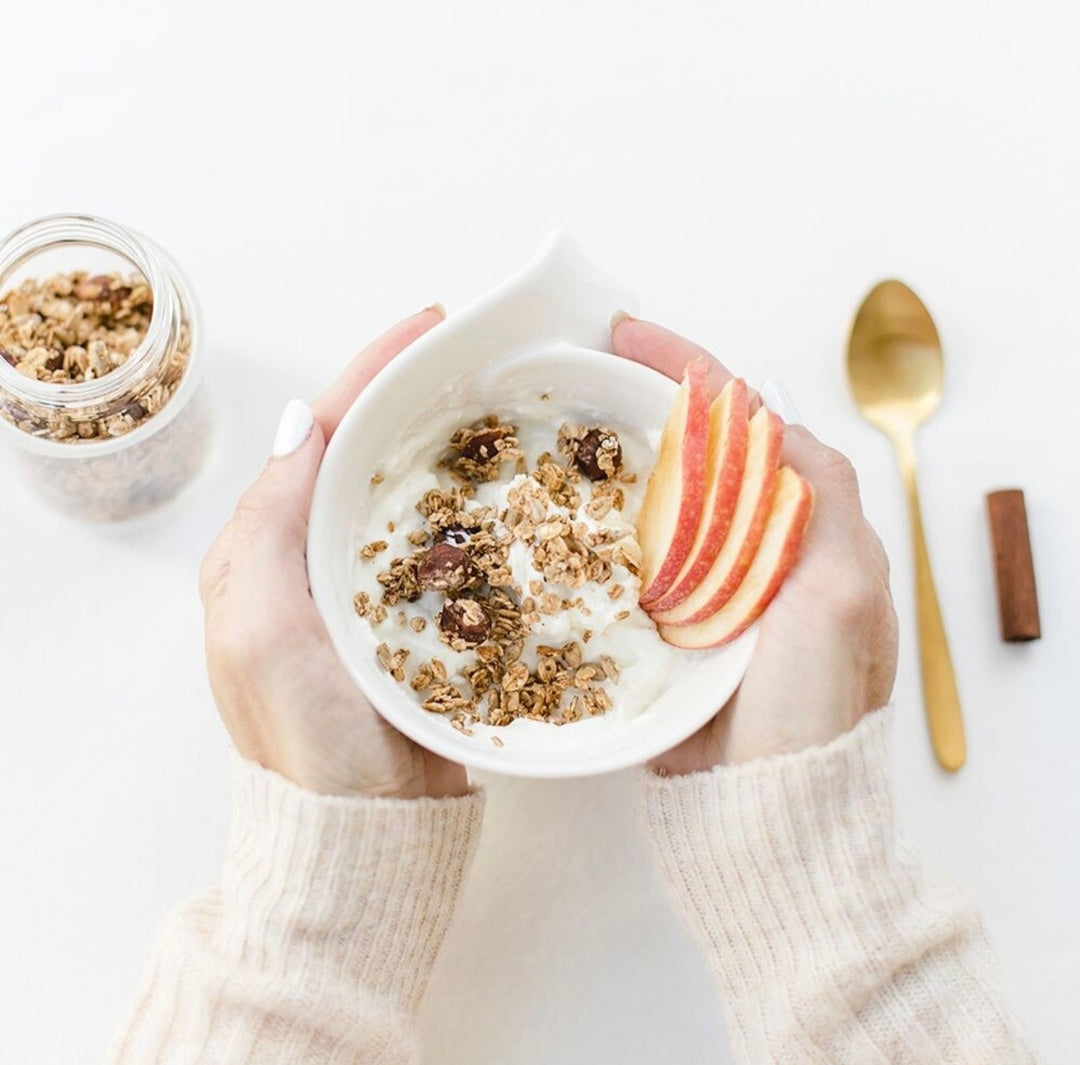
column 692, row 444
column 789, row 522
column 724, row 472
column 680, row 614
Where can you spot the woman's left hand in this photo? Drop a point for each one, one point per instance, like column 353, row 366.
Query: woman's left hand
column 826, row 649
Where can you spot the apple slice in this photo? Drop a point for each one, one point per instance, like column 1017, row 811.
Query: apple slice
column 729, row 432
column 792, row 504
column 746, row 530
column 671, row 511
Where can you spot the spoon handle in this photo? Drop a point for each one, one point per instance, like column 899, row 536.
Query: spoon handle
column 943, row 712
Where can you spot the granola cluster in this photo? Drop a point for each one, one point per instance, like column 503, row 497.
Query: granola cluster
column 460, row 552
column 477, row 452
column 73, row 328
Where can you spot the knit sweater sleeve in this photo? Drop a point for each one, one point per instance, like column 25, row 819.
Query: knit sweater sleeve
column 318, row 943
column 829, row 943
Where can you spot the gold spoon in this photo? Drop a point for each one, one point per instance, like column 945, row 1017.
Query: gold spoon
column 895, row 371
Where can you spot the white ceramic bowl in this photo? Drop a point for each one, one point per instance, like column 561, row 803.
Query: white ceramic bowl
column 545, row 329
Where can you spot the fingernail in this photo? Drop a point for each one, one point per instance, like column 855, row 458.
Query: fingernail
column 619, row 316
column 293, row 429
column 779, row 401
column 437, row 308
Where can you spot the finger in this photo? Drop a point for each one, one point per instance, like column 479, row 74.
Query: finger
column 842, row 566
column 837, row 505
column 269, row 528
column 654, row 346
column 331, row 406
column 821, row 465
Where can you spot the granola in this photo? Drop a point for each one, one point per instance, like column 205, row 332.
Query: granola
column 477, row 452
column 507, row 567
column 71, row 329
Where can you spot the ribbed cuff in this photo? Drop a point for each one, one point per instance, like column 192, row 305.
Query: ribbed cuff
column 783, row 862
column 350, row 888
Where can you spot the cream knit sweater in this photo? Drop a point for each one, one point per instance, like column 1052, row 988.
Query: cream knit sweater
column 829, row 944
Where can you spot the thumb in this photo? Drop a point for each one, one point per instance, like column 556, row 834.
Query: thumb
column 270, row 525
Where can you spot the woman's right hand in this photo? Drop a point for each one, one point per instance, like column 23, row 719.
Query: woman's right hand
column 284, row 695
column 827, row 645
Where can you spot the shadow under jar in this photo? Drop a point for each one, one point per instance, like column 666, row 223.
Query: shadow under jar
column 125, row 439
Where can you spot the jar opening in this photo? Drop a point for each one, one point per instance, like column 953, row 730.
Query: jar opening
column 66, row 243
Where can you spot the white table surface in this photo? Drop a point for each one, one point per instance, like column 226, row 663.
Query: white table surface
column 751, row 169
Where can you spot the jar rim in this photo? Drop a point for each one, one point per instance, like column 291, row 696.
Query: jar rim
column 52, row 231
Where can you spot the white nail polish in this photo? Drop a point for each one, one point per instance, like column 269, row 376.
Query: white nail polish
column 294, row 428
column 776, row 397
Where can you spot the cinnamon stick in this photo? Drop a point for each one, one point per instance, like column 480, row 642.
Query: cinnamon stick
column 1018, row 603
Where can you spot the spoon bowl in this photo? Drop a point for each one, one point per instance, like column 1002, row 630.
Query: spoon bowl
column 895, row 361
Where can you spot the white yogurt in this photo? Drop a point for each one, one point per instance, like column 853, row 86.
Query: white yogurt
column 645, row 662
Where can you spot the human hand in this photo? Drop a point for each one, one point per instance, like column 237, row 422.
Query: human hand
column 827, row 645
column 284, row 696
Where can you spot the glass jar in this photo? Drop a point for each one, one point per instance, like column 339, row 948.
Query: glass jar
column 126, row 441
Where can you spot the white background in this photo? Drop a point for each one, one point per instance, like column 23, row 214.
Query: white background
column 751, row 168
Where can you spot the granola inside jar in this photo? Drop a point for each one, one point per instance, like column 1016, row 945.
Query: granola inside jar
column 99, row 367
